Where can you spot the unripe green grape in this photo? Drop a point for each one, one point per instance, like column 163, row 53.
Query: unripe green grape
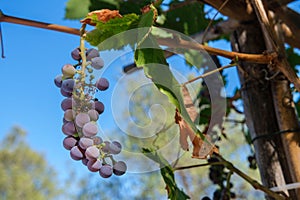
column 68, row 71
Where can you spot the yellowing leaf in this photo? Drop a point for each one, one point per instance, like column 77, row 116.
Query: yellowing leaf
column 103, row 15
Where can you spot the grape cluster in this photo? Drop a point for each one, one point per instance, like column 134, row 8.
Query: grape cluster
column 81, row 112
column 218, row 176
column 252, row 161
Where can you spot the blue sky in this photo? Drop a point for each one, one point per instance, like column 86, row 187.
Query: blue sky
column 33, row 58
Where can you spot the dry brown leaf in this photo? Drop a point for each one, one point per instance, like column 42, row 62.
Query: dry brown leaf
column 188, row 103
column 201, row 149
column 103, row 15
column 183, row 131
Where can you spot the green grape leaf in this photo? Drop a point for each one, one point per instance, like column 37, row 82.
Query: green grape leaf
column 150, row 56
column 104, row 4
column 188, row 19
column 125, row 7
column 157, row 69
column 174, row 193
column 111, row 28
column 77, row 9
column 193, row 56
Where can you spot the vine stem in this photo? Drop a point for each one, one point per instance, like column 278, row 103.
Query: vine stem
column 256, row 58
column 82, row 48
column 256, row 185
column 209, row 73
column 265, row 58
column 37, row 24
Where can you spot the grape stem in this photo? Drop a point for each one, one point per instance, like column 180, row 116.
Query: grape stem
column 82, row 51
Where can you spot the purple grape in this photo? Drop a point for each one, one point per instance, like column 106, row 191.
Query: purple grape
column 92, row 152
column 69, row 115
column 92, row 53
column 102, row 84
column 85, row 161
column 84, row 142
column 105, row 148
column 97, row 140
column 119, row 168
column 69, row 128
column 58, row 81
column 90, row 129
column 65, row 94
column 94, row 165
column 69, row 142
column 106, row 171
column 68, row 71
column 66, row 104
column 99, row 107
column 81, row 119
column 76, row 153
column 115, row 147
column 94, row 115
column 68, row 85
column 97, row 63
column 75, row 54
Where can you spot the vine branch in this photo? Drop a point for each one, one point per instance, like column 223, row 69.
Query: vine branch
column 265, row 58
column 256, row 58
column 256, row 185
column 37, row 24
column 209, row 73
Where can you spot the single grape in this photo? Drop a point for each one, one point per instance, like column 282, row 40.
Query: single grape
column 94, row 165
column 92, row 152
column 97, row 140
column 105, row 171
column 69, row 115
column 69, row 142
column 66, row 104
column 90, row 129
column 97, row 63
column 84, row 142
column 75, row 54
column 92, row 53
column 65, row 94
column 115, row 147
column 99, row 107
column 81, row 119
column 68, row 71
column 102, row 84
column 106, row 148
column 119, row 168
column 94, row 115
column 58, row 81
column 68, row 85
column 76, row 153
column 85, row 161
column 69, row 128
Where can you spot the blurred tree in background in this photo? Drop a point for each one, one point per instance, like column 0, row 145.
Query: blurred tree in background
column 24, row 173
